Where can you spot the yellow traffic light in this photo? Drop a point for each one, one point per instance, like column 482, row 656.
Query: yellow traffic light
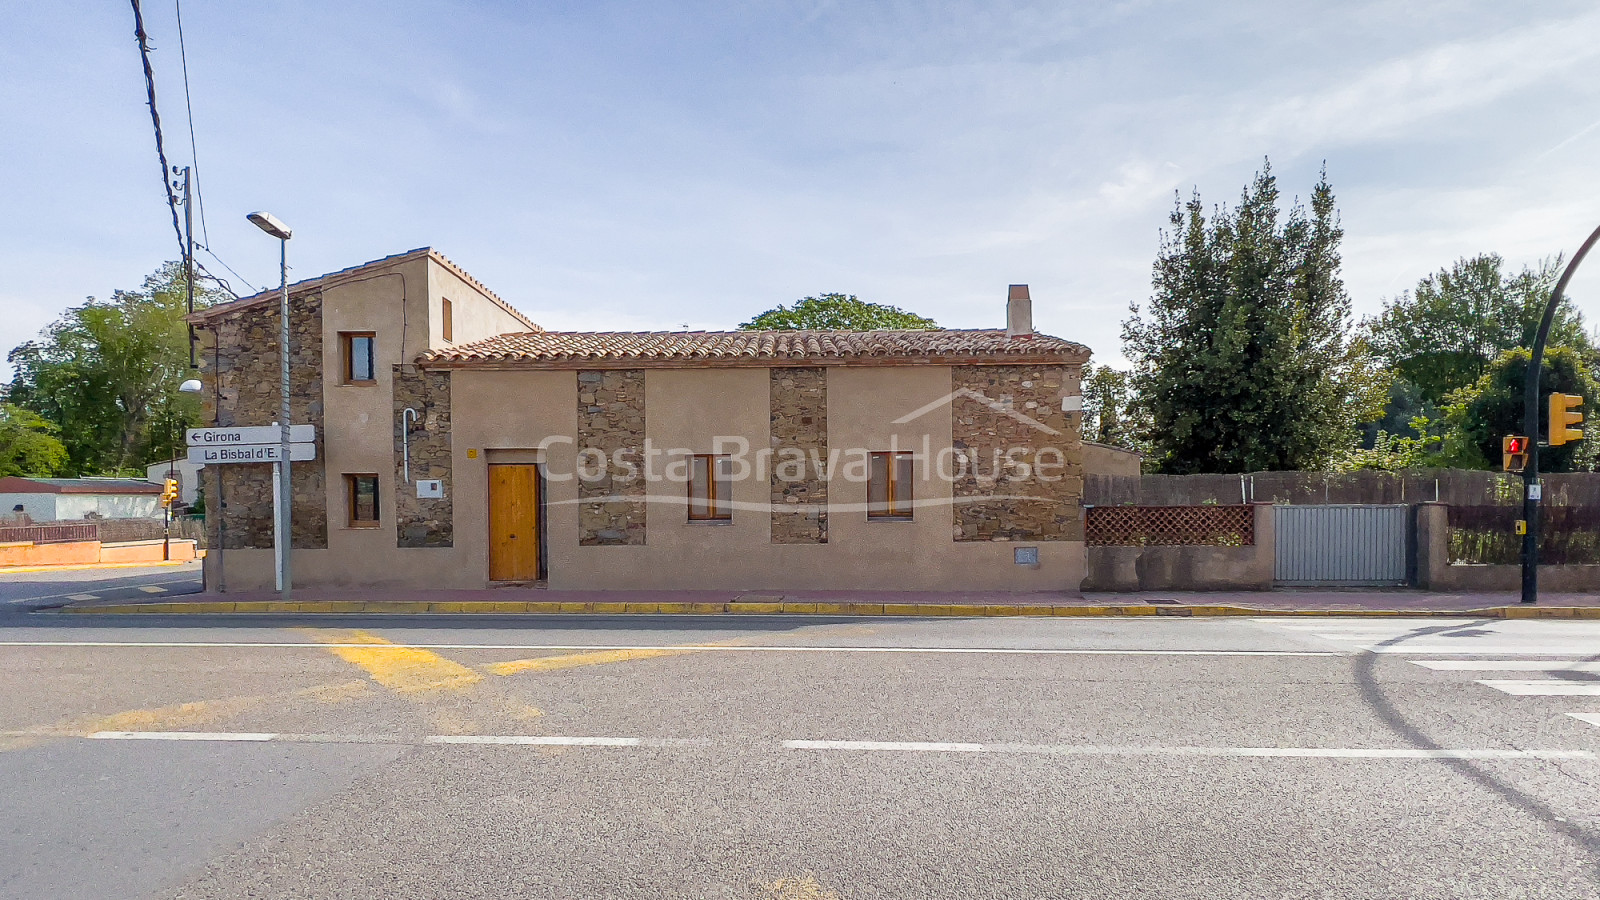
column 169, row 492
column 1565, row 410
column 1514, row 452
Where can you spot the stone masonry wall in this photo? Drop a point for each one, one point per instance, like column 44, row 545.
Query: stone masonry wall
column 422, row 522
column 1014, row 409
column 610, row 419
column 799, row 398
column 241, row 376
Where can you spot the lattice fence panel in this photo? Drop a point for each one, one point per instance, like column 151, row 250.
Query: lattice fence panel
column 1137, row 526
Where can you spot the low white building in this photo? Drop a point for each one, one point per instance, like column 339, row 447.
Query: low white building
column 71, row 499
column 187, row 473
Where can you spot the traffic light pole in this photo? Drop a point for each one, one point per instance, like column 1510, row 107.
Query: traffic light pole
column 1532, row 493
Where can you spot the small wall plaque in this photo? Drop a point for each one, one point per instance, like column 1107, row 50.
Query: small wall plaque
column 430, row 488
column 1026, row 556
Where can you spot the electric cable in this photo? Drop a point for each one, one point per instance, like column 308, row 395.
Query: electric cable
column 155, row 119
column 188, row 106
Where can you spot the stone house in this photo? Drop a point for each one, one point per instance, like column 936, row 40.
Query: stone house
column 461, row 445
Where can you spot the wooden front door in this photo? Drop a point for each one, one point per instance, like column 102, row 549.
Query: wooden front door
column 513, row 522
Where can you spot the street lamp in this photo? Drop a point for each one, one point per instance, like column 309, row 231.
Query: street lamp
column 1532, row 491
column 269, row 223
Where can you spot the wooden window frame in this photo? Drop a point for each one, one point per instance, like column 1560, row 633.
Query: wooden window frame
column 352, row 481
column 713, row 508
column 895, row 493
column 447, row 320
column 347, row 341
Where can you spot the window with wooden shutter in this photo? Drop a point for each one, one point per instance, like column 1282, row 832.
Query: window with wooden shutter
column 360, row 356
column 362, row 500
column 889, row 486
column 710, row 488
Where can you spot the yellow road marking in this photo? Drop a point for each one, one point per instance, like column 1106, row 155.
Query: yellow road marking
column 805, row 888
column 573, row 660
column 177, row 716
column 73, row 567
column 405, row 670
column 601, row 657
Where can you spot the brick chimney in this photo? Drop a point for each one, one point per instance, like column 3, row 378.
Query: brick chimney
column 1019, row 312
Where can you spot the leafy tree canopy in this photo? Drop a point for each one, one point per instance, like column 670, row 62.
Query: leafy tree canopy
column 1242, row 356
column 1493, row 407
column 1110, row 414
column 838, row 312
column 1442, row 335
column 28, row 444
column 106, row 374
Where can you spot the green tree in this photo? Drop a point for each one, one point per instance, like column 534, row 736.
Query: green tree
column 838, row 312
column 1493, row 407
column 1442, row 335
column 1243, row 357
column 1110, row 413
column 28, row 444
column 105, row 371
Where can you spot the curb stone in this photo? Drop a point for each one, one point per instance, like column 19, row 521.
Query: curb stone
column 548, row 607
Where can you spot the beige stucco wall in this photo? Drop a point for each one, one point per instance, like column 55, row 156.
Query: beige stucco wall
column 1188, row 568
column 473, row 314
column 1103, row 459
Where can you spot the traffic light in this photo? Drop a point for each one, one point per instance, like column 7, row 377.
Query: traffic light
column 169, row 492
column 1514, row 452
column 1565, row 410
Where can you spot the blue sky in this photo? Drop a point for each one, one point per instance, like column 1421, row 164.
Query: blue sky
column 652, row 165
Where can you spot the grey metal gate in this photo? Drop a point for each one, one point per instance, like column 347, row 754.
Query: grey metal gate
column 1341, row 543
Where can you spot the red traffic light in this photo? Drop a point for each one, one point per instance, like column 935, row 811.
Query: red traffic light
column 1516, row 444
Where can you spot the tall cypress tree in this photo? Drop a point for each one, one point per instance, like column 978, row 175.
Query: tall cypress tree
column 1242, row 357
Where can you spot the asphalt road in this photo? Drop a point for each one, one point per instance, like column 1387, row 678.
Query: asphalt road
column 27, row 590
column 598, row 757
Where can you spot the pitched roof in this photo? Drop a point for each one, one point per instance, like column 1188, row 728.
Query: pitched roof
column 617, row 349
column 18, row 485
column 334, row 279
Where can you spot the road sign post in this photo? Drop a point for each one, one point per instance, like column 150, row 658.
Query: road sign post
column 260, row 444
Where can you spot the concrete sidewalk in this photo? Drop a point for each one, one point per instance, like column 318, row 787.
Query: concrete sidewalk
column 512, row 601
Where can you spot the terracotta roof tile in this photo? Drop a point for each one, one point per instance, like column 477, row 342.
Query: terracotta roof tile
column 564, row 349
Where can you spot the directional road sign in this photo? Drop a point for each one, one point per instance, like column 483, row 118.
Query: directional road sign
column 250, row 453
column 250, row 434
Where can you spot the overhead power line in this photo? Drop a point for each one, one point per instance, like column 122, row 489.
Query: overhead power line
column 155, row 119
column 188, row 107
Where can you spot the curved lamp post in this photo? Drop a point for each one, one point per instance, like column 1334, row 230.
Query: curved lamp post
column 1531, row 493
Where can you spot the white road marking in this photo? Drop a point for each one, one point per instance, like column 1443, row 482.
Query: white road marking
column 539, row 740
column 1023, row 651
column 83, row 597
column 1591, row 718
column 1506, row 665
column 153, row 589
column 183, row 736
column 1449, row 637
column 1544, row 687
column 526, row 740
column 912, row 745
column 1259, row 752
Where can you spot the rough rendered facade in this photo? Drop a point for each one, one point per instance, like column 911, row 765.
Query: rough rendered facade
column 501, row 453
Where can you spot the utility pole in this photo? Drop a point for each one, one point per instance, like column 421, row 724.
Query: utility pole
column 188, row 258
column 1532, row 491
